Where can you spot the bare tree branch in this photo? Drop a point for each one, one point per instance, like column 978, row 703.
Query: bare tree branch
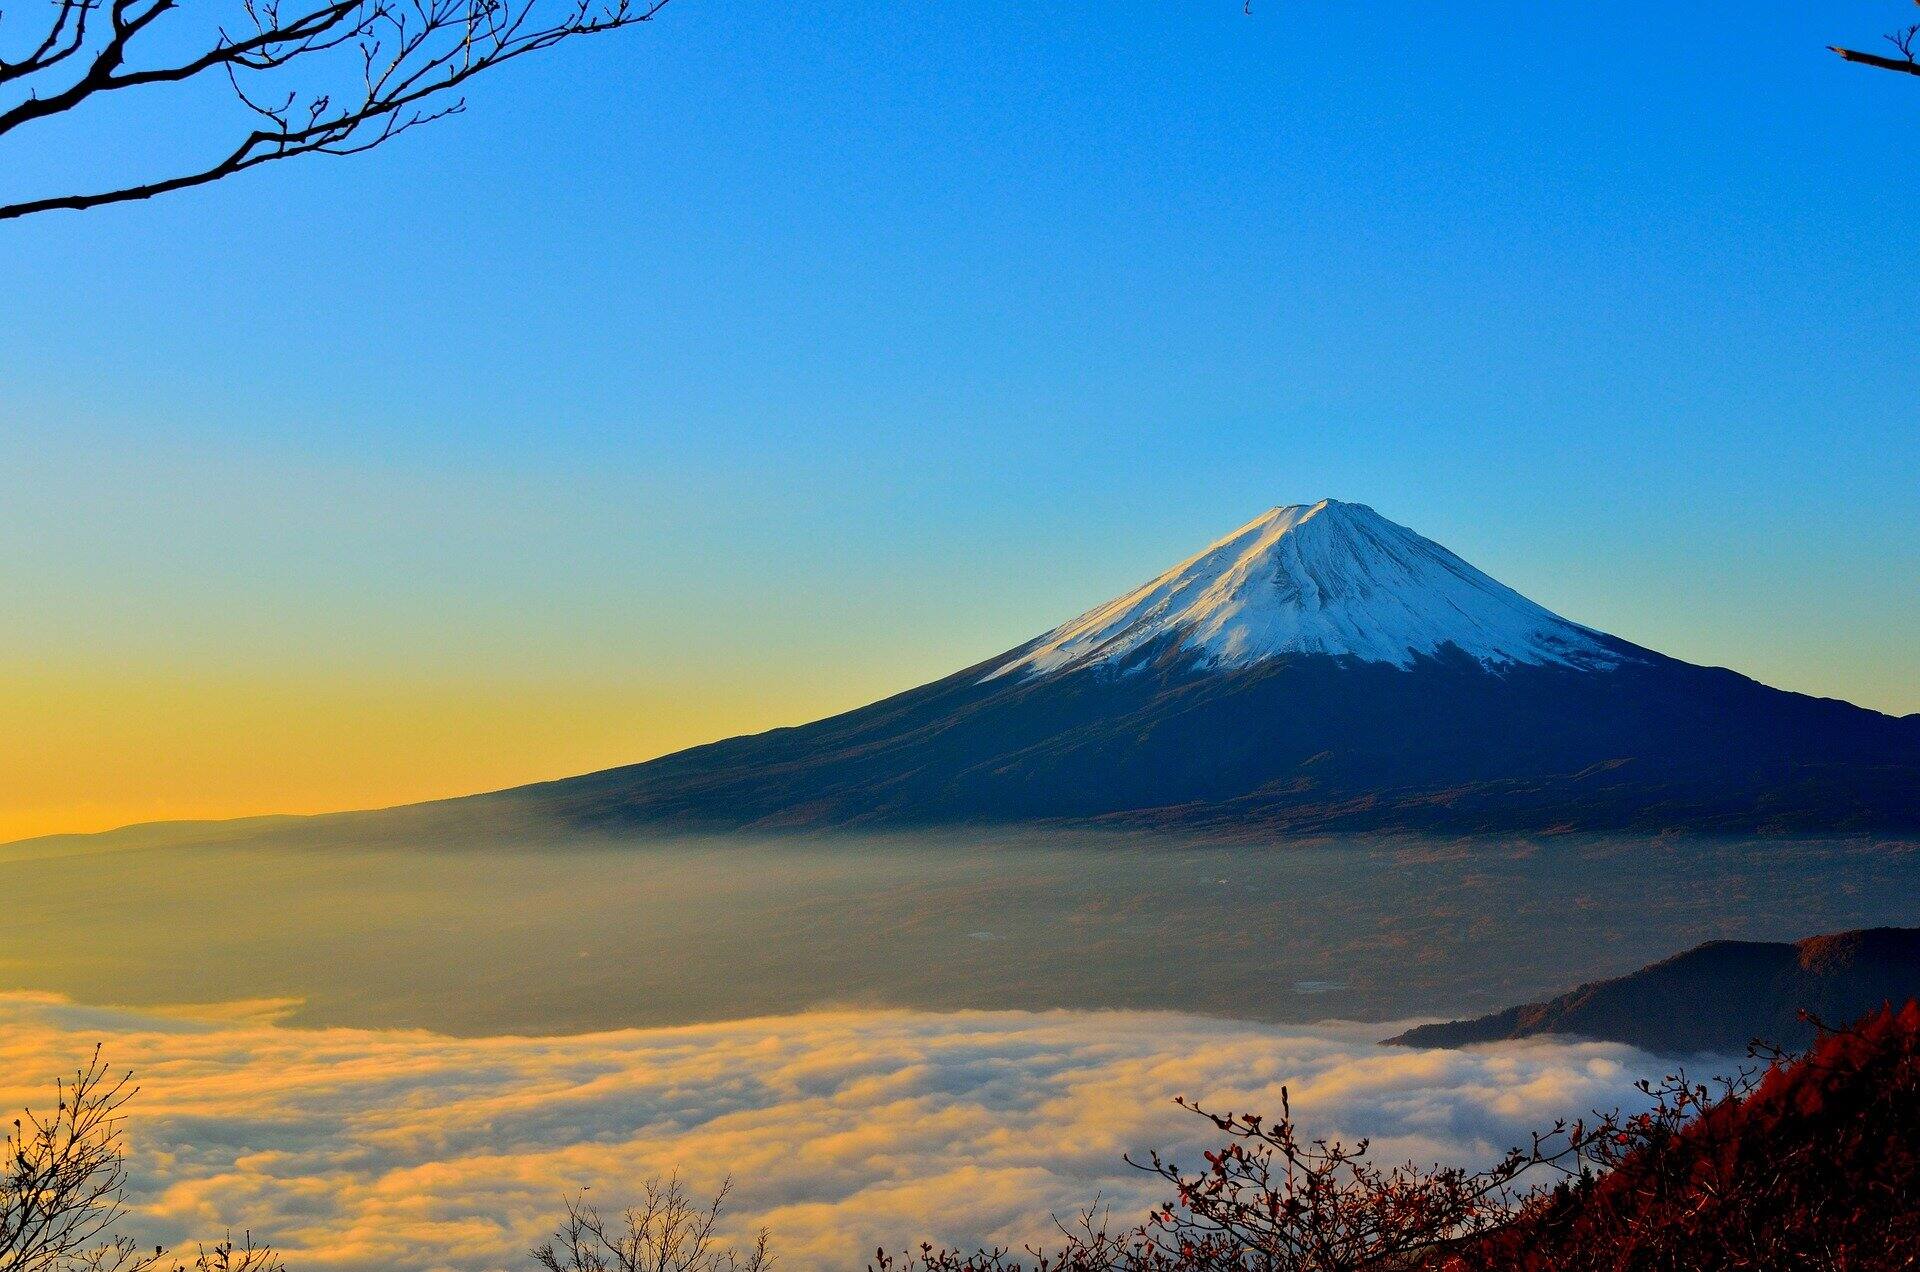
column 1902, row 41
column 668, row 1232
column 383, row 67
column 63, row 1189
column 1908, row 65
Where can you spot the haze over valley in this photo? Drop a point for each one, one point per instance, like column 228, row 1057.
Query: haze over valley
column 555, row 933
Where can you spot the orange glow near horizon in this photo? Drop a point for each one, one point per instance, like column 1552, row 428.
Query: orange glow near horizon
column 82, row 753
column 96, row 745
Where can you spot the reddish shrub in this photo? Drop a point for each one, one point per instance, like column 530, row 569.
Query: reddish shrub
column 1814, row 1166
column 1817, row 1167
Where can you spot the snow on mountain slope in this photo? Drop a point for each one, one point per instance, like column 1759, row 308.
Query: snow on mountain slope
column 1326, row 578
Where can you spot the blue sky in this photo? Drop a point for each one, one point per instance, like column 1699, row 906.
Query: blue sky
column 767, row 358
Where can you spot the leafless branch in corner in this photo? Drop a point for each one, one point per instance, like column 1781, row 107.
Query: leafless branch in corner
column 63, row 1186
column 1902, row 42
column 336, row 77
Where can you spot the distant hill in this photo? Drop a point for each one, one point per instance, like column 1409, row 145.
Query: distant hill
column 1715, row 997
column 1319, row 669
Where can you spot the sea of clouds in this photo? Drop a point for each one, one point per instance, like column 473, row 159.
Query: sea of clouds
column 388, row 1150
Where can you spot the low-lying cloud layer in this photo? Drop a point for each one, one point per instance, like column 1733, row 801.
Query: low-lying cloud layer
column 382, row 1150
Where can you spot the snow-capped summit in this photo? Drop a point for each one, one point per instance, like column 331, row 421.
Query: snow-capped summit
column 1326, row 578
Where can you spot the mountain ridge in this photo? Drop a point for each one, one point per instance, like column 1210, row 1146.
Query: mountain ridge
column 1185, row 704
column 1445, row 748
column 1717, row 996
column 1290, row 684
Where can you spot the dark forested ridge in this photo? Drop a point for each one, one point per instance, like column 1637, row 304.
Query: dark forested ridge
column 1716, row 997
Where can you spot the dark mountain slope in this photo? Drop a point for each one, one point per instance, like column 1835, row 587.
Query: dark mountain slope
column 1299, row 742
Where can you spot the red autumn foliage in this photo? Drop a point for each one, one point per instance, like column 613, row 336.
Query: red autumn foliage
column 1817, row 1167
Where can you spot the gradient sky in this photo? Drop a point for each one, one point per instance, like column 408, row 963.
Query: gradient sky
column 771, row 358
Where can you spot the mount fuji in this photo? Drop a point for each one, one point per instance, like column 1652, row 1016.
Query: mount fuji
column 1321, row 668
